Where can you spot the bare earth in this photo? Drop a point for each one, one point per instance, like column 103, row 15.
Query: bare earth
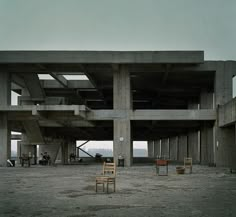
column 70, row 191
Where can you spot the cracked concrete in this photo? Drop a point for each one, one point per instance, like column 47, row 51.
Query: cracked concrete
column 70, row 191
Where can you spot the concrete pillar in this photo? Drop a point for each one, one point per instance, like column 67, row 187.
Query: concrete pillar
column 122, row 141
column 157, row 148
column 151, row 149
column 193, row 146
column 174, row 148
column 5, row 131
column 71, row 148
column 182, row 147
column 64, row 153
column 207, row 147
column 224, row 137
column 165, row 148
column 225, row 147
column 122, row 128
column 122, row 89
column 5, row 140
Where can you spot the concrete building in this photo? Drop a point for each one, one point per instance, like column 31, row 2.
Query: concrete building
column 178, row 102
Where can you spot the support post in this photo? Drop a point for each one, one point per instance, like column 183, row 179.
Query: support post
column 122, row 127
column 151, row 149
column 5, row 132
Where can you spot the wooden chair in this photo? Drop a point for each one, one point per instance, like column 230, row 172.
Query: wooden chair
column 188, row 163
column 108, row 177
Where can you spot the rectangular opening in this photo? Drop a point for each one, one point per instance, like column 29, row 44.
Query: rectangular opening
column 76, row 77
column 45, row 77
column 140, row 149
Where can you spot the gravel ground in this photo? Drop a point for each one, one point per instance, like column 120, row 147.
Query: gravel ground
column 70, row 191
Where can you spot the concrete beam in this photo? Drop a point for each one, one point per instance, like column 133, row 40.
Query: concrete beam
column 33, row 132
column 203, row 114
column 116, row 57
column 61, row 80
column 207, row 114
column 15, row 137
column 18, row 80
column 34, row 87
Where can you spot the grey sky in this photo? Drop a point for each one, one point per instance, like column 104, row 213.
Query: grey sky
column 207, row 25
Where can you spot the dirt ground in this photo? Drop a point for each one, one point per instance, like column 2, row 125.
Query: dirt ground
column 70, row 191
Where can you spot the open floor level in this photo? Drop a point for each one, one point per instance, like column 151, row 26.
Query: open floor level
column 70, row 191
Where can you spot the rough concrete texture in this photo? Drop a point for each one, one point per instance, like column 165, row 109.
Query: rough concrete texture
column 70, row 191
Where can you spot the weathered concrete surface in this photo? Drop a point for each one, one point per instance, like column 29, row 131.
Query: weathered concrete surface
column 101, row 56
column 70, row 191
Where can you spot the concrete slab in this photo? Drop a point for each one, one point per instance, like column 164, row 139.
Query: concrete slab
column 70, row 191
column 101, row 57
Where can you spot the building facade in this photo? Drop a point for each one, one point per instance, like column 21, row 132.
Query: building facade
column 178, row 102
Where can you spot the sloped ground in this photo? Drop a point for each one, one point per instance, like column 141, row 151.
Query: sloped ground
column 70, row 191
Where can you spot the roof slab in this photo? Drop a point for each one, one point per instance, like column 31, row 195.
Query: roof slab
column 116, row 57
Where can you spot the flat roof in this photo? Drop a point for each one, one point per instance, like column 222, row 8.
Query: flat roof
column 112, row 57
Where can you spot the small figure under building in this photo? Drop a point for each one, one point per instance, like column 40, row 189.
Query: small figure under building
column 46, row 159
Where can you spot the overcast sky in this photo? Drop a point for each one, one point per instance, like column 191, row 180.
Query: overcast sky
column 207, row 25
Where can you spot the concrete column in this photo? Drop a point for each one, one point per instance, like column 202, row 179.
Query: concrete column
column 207, row 147
column 225, row 147
column 64, row 153
column 151, row 149
column 122, row 141
column 122, row 89
column 5, row 140
column 165, row 147
column 122, row 128
column 174, row 148
column 182, row 147
column 193, row 149
column 71, row 148
column 5, row 131
column 224, row 137
column 157, row 148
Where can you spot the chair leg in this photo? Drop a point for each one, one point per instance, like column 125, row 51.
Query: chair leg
column 96, row 187
column 107, row 187
column 114, row 186
column 103, row 186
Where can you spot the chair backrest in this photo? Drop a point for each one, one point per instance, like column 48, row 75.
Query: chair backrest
column 109, row 168
column 187, row 161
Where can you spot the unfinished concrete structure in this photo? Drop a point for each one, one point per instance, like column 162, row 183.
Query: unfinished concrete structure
column 179, row 103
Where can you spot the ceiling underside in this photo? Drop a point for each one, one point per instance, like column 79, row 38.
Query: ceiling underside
column 155, row 86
